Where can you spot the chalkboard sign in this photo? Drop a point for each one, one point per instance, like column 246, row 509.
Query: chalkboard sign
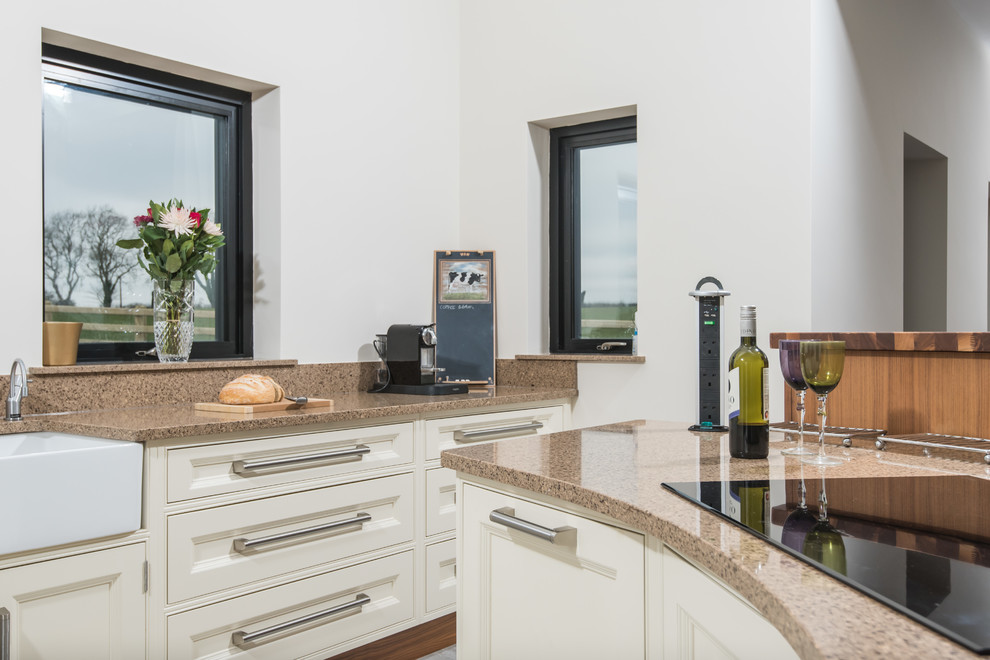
column 464, row 311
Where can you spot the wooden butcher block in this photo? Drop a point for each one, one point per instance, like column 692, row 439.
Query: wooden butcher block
column 248, row 408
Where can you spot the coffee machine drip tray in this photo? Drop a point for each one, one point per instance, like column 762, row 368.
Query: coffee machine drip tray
column 431, row 389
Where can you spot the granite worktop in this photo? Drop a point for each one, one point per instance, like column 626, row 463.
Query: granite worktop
column 144, row 423
column 618, row 470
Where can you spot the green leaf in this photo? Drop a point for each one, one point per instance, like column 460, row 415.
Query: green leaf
column 187, row 247
column 175, row 285
column 173, row 263
column 130, row 243
column 152, row 233
column 168, row 247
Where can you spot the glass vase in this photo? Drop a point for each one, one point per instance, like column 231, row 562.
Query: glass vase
column 173, row 317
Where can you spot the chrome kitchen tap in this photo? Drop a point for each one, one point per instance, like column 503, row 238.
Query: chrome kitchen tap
column 18, row 390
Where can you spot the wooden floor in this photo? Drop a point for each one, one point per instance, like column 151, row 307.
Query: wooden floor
column 412, row 644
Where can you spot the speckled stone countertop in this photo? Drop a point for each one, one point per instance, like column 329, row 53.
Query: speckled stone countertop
column 618, row 470
column 146, row 423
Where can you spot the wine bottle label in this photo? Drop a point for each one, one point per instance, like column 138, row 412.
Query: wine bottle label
column 732, row 395
column 766, row 394
column 747, row 327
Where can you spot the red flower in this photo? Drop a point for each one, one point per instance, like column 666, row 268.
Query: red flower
column 197, row 217
column 141, row 220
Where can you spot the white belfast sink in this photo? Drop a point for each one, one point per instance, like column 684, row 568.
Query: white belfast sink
column 57, row 488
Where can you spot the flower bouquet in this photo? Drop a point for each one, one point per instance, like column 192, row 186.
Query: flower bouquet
column 176, row 243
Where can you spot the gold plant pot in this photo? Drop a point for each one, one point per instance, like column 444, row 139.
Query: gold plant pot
column 60, row 342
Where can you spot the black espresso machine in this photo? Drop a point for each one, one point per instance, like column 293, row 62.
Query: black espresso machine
column 409, row 356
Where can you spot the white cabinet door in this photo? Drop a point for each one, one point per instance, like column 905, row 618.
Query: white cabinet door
column 524, row 597
column 85, row 607
column 704, row 620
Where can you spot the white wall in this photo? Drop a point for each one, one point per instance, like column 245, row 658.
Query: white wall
column 356, row 173
column 722, row 93
column 881, row 69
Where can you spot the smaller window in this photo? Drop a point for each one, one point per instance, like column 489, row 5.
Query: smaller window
column 593, row 237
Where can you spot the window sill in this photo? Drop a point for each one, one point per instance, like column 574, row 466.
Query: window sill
column 586, row 357
column 131, row 367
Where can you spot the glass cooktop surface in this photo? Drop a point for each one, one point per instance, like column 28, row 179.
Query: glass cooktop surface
column 918, row 544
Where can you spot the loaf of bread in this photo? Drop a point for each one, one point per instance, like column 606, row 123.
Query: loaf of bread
column 251, row 388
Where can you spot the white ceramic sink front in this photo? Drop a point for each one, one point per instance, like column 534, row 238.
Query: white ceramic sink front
column 57, row 488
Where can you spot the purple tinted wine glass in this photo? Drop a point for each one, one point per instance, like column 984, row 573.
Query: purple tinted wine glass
column 790, row 367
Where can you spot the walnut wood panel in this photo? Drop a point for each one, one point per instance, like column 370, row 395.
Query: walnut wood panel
column 908, row 392
column 919, row 504
column 410, row 644
column 964, row 342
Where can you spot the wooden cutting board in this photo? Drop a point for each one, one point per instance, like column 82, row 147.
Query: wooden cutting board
column 248, row 408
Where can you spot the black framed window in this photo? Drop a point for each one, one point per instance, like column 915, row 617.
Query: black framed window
column 117, row 135
column 593, row 190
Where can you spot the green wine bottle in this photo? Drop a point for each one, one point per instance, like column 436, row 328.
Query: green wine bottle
column 748, row 393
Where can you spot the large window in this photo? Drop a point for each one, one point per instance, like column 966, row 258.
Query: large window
column 593, row 237
column 115, row 137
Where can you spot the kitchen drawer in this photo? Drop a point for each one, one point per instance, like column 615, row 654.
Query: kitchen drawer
column 441, row 503
column 215, row 469
column 205, row 555
column 210, row 631
column 441, row 575
column 454, row 432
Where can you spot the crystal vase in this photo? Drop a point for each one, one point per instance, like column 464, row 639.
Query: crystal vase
column 173, row 317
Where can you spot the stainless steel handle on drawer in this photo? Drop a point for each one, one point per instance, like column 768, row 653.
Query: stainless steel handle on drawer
column 241, row 638
column 355, row 453
column 475, row 436
column 559, row 536
column 242, row 545
column 4, row 633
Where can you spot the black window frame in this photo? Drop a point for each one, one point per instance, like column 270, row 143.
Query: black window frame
column 234, row 312
column 565, row 230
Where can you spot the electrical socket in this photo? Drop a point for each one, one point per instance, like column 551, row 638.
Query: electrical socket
column 709, row 412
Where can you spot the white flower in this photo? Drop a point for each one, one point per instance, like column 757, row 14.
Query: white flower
column 177, row 220
column 212, row 228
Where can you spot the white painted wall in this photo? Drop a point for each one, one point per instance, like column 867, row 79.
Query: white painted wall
column 722, row 93
column 356, row 171
column 769, row 133
column 881, row 69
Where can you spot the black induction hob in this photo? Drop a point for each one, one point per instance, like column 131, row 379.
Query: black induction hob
column 918, row 544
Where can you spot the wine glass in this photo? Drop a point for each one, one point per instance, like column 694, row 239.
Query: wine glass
column 790, row 366
column 824, row 542
column 800, row 521
column 821, row 366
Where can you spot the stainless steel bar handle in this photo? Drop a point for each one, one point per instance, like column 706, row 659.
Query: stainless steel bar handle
column 475, row 436
column 559, row 536
column 4, row 633
column 241, row 638
column 242, row 544
column 355, row 453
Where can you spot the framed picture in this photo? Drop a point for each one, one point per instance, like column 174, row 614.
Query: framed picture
column 464, row 280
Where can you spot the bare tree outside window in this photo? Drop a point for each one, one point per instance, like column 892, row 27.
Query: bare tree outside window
column 64, row 251
column 107, row 263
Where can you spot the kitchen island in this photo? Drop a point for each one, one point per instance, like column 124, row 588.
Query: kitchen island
column 613, row 475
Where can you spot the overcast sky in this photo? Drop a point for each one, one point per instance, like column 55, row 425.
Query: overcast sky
column 101, row 150
column 608, row 223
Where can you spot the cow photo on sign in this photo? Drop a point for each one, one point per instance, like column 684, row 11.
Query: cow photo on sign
column 462, row 281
